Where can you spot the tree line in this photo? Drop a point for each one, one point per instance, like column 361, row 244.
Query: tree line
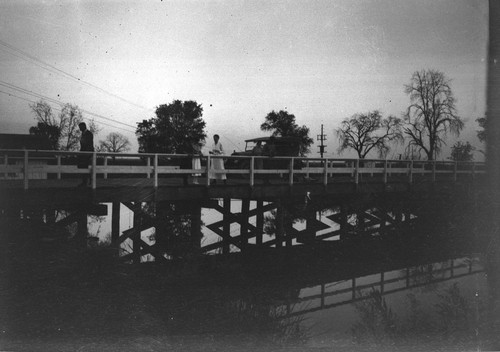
column 421, row 131
column 62, row 129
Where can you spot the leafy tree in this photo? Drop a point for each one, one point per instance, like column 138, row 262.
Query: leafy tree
column 432, row 112
column 63, row 127
column 176, row 127
column 462, row 152
column 282, row 124
column 114, row 143
column 481, row 134
column 52, row 132
column 367, row 132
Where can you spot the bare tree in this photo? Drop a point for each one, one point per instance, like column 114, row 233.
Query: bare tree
column 43, row 112
column 69, row 118
column 367, row 132
column 411, row 153
column 114, row 143
column 432, row 112
column 63, row 127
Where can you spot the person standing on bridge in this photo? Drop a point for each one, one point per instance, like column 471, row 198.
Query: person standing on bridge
column 258, row 151
column 217, row 163
column 86, row 145
column 270, row 151
column 196, row 160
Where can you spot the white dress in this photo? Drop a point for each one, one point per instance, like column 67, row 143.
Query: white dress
column 196, row 161
column 217, row 163
column 196, row 164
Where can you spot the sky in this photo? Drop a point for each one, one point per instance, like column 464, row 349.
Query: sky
column 320, row 60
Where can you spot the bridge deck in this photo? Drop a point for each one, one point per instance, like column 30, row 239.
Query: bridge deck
column 67, row 191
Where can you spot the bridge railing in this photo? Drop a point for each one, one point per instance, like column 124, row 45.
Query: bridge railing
column 32, row 164
column 334, row 294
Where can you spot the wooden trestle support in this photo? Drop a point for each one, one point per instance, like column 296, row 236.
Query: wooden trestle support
column 178, row 236
column 176, row 230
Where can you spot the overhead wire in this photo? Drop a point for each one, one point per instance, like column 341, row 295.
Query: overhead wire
column 32, row 101
column 28, row 92
column 12, row 50
column 46, row 66
column 234, row 144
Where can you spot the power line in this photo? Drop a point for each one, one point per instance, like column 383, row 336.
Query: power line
column 26, row 91
column 86, row 118
column 32, row 101
column 46, row 66
column 234, row 144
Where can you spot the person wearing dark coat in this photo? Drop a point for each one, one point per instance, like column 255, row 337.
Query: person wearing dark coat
column 86, row 145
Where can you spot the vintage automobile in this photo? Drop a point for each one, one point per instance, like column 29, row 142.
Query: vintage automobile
column 271, row 146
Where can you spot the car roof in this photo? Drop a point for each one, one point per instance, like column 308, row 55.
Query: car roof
column 265, row 139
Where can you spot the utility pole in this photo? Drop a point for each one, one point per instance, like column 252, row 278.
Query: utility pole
column 321, row 137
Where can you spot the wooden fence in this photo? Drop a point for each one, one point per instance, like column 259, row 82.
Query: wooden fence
column 32, row 164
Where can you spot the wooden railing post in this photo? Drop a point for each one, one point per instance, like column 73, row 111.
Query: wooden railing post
column 5, row 163
column 455, row 171
column 207, row 181
column 356, row 172
column 105, row 163
column 307, row 168
column 410, row 172
column 325, row 173
column 433, row 170
column 385, row 171
column 94, row 170
column 148, row 163
column 155, row 170
column 473, row 169
column 25, row 169
column 290, row 172
column 252, row 170
column 58, row 157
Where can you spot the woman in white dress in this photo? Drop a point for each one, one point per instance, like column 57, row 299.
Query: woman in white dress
column 196, row 161
column 217, row 163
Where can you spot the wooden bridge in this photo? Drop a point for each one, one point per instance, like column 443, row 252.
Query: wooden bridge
column 38, row 184
column 170, row 176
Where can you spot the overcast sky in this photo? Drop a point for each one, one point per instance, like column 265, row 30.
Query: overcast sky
column 320, row 60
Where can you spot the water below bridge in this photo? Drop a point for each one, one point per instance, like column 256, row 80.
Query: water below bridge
column 394, row 275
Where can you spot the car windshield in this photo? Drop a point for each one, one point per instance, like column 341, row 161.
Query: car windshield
column 251, row 144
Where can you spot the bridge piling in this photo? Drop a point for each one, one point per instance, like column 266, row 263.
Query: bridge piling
column 115, row 221
column 260, row 223
column 82, row 229
column 343, row 221
column 245, row 207
column 226, row 227
column 136, row 238
column 196, row 234
column 280, row 230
